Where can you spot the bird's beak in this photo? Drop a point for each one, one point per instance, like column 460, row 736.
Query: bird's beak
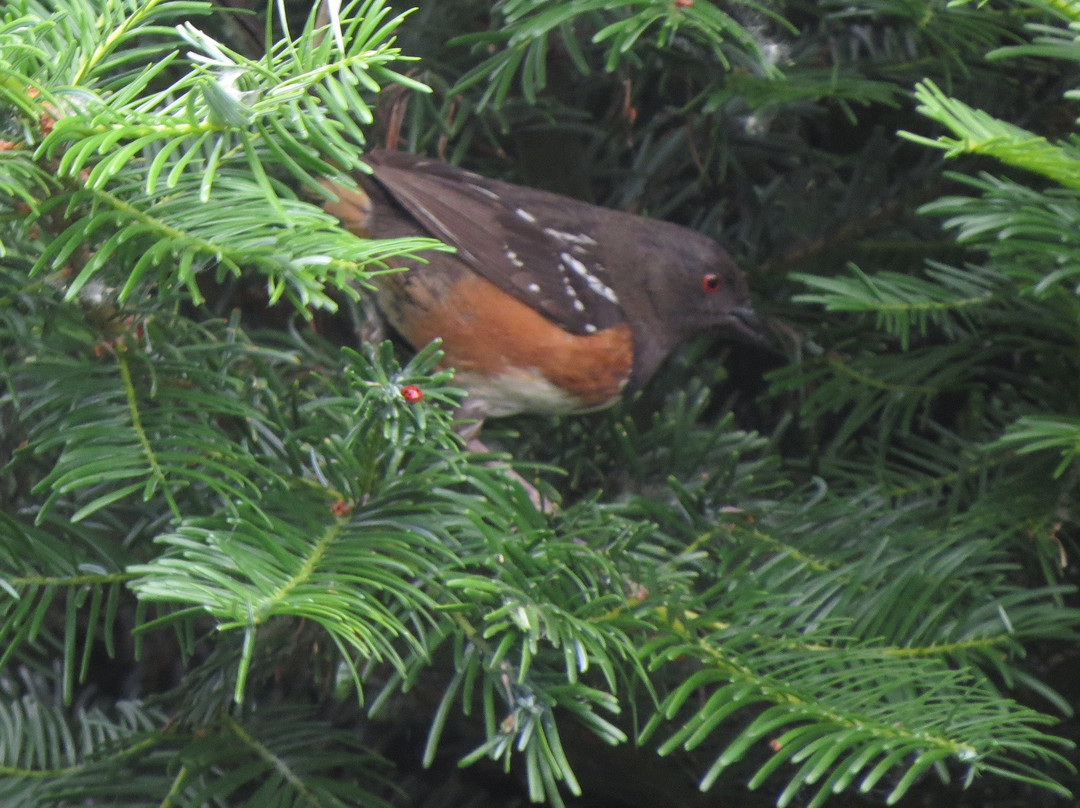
column 745, row 321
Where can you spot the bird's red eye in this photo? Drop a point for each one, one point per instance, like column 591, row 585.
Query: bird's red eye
column 711, row 282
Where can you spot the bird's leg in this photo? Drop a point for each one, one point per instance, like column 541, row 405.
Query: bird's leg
column 469, row 418
column 371, row 330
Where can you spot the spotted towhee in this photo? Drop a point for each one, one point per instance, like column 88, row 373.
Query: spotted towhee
column 550, row 305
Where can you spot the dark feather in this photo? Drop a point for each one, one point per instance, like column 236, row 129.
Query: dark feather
column 495, row 228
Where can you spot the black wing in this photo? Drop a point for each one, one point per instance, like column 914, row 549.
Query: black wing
column 499, row 230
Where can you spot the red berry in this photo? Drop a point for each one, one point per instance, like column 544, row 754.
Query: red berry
column 412, row 393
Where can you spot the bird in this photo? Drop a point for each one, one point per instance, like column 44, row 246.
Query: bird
column 549, row 305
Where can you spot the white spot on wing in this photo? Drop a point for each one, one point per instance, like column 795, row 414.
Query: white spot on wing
column 514, row 259
column 590, row 328
column 594, row 282
column 571, row 238
column 480, row 189
column 521, row 213
column 534, row 287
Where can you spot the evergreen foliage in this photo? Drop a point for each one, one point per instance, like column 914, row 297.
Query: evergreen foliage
column 240, row 566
